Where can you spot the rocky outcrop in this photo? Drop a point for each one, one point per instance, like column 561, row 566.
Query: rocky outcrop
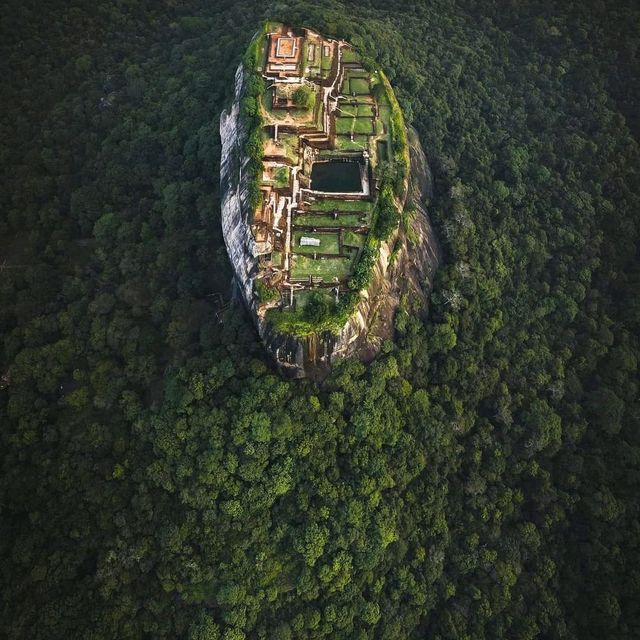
column 409, row 272
column 236, row 228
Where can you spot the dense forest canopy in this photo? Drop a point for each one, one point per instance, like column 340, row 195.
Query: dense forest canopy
column 478, row 480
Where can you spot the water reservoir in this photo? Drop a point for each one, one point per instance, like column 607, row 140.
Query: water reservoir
column 336, row 176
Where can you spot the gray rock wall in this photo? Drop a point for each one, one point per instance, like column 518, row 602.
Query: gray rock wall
column 234, row 196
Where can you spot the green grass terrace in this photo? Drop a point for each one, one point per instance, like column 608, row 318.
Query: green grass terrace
column 350, row 55
column 356, row 83
column 292, row 115
column 345, row 143
column 329, row 243
column 325, row 220
column 326, row 62
column 351, row 239
column 354, row 110
column 348, row 125
column 326, row 268
column 334, row 204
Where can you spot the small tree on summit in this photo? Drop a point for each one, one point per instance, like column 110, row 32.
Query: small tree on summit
column 317, row 309
column 303, row 97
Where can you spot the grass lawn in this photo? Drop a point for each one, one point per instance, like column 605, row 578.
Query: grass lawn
column 360, row 143
column 343, row 220
column 330, row 204
column 344, row 125
column 329, row 243
column 365, row 110
column 384, row 112
column 356, row 82
column 325, row 268
column 275, row 115
column 363, row 126
column 325, row 64
column 262, row 56
column 345, row 110
column 349, row 55
column 301, row 115
column 384, row 116
column 353, row 239
column 359, row 86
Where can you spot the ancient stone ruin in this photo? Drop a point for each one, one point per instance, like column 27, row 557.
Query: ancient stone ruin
column 322, row 199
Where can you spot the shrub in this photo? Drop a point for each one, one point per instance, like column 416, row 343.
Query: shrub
column 317, row 309
column 303, row 97
column 386, row 215
column 362, row 272
column 265, row 292
column 255, row 146
column 249, row 108
column 255, row 195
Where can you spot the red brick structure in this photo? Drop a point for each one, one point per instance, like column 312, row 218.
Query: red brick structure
column 284, row 55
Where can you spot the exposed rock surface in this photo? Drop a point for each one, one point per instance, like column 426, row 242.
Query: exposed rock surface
column 411, row 271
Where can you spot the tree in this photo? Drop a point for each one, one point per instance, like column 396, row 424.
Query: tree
column 303, row 97
column 317, row 308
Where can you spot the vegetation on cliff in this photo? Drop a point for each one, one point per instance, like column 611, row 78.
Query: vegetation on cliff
column 477, row 480
column 252, row 117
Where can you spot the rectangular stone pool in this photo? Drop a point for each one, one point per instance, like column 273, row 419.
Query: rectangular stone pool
column 336, row 176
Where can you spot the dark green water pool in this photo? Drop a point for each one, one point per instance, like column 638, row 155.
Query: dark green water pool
column 336, row 176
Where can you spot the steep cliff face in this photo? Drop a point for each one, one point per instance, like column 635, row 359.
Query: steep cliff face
column 409, row 272
column 235, row 197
